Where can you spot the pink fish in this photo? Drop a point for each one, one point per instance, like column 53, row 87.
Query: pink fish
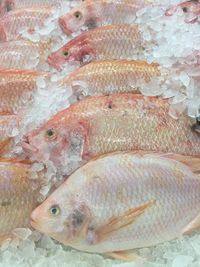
column 22, row 54
column 123, row 201
column 14, row 22
column 17, row 88
column 107, row 42
column 8, row 5
column 92, row 14
column 18, row 195
column 103, row 124
column 190, row 8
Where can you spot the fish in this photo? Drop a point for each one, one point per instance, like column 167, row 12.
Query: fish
column 18, row 195
column 127, row 200
column 24, row 54
column 13, row 23
column 110, row 76
column 191, row 9
column 9, row 5
column 9, row 124
column 103, row 43
column 17, row 88
column 91, row 14
column 101, row 124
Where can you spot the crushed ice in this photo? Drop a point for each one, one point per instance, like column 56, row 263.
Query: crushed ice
column 173, row 44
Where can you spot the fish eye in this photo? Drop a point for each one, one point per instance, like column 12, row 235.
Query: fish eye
column 78, row 15
column 50, row 133
column 54, row 210
column 184, row 9
column 66, row 53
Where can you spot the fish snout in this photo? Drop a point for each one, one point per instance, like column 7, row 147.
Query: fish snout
column 62, row 23
column 27, row 147
column 52, row 61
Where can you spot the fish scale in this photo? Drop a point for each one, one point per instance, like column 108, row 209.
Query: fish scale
column 119, row 122
column 14, row 22
column 18, row 196
column 161, row 192
column 94, row 14
column 17, row 88
column 103, row 43
column 23, row 54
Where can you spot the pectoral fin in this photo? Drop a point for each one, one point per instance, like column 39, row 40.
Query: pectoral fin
column 194, row 225
column 116, row 223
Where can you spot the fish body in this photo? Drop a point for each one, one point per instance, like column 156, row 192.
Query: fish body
column 17, row 88
column 13, row 23
column 107, row 42
column 126, row 201
column 9, row 124
column 91, row 14
column 119, row 122
column 23, row 54
column 110, row 76
column 191, row 9
column 9, row 5
column 18, row 196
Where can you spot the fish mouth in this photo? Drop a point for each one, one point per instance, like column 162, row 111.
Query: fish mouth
column 33, row 223
column 27, row 147
column 63, row 26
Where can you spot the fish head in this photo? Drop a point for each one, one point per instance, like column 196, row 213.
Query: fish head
column 6, row 6
column 9, row 5
column 63, row 216
column 79, row 19
column 77, row 50
column 56, row 141
column 190, row 8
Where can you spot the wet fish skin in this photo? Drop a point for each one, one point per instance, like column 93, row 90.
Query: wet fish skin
column 138, row 198
column 22, row 54
column 92, row 14
column 17, row 88
column 15, row 21
column 18, row 196
column 119, row 122
column 190, row 8
column 109, row 76
column 107, row 42
column 9, row 5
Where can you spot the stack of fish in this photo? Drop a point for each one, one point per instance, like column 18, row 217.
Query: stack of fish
column 132, row 171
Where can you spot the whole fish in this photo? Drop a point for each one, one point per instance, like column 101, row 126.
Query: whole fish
column 126, row 201
column 110, row 76
column 17, row 88
column 92, row 14
column 107, row 42
column 191, row 10
column 18, row 195
column 13, row 23
column 103, row 124
column 9, row 126
column 23, row 54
